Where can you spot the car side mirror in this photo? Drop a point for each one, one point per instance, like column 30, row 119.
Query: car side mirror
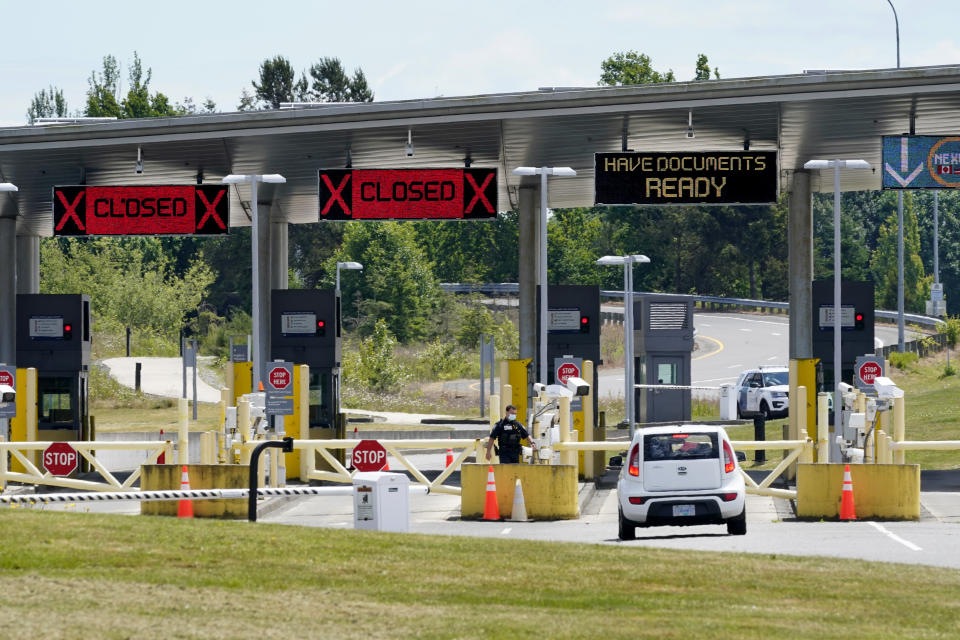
column 616, row 461
column 741, row 456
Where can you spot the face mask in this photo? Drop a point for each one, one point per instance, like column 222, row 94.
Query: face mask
column 511, row 416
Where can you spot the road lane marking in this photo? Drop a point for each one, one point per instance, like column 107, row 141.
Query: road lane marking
column 712, row 353
column 506, row 531
column 735, row 366
column 775, row 334
column 772, row 358
column 895, row 537
column 747, row 330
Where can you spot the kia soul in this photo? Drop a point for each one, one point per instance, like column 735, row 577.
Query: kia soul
column 681, row 475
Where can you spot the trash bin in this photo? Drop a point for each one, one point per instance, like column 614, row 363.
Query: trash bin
column 728, row 402
column 381, row 501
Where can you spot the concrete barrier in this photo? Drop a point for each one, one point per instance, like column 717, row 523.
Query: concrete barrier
column 159, row 477
column 549, row 490
column 890, row 491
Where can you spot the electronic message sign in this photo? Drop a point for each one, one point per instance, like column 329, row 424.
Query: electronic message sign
column 921, row 162
column 155, row 210
column 408, row 194
column 686, row 177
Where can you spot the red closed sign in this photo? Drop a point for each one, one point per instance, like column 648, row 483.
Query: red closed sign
column 60, row 459
column 369, row 455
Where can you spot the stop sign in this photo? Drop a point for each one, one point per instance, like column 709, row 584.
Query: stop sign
column 566, row 371
column 279, row 378
column 60, row 459
column 868, row 372
column 7, row 378
column 369, row 455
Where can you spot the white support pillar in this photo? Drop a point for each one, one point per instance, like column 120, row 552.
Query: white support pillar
column 8, row 291
column 800, row 243
column 279, row 254
column 528, row 222
column 28, row 264
column 261, row 290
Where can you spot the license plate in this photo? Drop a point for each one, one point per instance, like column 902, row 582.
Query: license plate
column 684, row 510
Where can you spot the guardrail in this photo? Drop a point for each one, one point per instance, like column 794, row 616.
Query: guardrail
column 512, row 288
column 18, row 451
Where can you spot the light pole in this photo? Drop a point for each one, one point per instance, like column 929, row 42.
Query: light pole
column 837, row 310
column 259, row 328
column 543, row 172
column 349, row 266
column 900, row 321
column 628, row 377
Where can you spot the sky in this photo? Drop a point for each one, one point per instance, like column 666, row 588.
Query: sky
column 423, row 49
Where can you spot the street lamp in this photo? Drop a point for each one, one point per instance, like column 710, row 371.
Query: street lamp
column 628, row 377
column 346, row 265
column 837, row 312
column 543, row 172
column 259, row 330
column 8, row 186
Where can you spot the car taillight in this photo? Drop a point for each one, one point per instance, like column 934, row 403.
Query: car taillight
column 633, row 462
column 728, row 497
column 636, row 499
column 729, row 462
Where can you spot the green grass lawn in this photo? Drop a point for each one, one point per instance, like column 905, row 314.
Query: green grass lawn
column 66, row 575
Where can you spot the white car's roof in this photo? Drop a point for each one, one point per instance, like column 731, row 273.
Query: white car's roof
column 681, row 428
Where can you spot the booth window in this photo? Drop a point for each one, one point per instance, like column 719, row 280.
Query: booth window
column 666, row 373
column 55, row 401
column 319, row 400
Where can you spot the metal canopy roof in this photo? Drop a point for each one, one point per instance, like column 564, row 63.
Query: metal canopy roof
column 813, row 115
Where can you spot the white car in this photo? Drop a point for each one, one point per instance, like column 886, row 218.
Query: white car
column 681, row 475
column 763, row 392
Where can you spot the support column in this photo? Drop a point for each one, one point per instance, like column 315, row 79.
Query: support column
column 800, row 243
column 528, row 223
column 261, row 293
column 8, row 291
column 28, row 264
column 279, row 252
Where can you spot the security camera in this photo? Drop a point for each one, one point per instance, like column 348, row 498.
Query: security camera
column 886, row 388
column 538, row 388
column 408, row 149
column 7, row 394
column 578, row 386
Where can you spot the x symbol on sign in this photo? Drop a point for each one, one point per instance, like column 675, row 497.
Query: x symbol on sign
column 211, row 209
column 71, row 211
column 335, row 194
column 478, row 192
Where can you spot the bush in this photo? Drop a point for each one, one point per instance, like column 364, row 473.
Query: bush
column 444, row 360
column 902, row 360
column 950, row 328
column 375, row 367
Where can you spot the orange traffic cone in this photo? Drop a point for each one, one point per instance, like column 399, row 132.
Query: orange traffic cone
column 162, row 458
column 490, row 510
column 449, row 460
column 184, row 507
column 847, row 511
column 261, row 386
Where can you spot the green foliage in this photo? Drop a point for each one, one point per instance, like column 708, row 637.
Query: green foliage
column 330, row 83
column 130, row 282
column 444, row 360
column 626, row 68
column 475, row 320
column 103, row 98
column 102, row 90
column 902, row 360
column 883, row 262
column 948, row 370
column 47, row 103
column 375, row 366
column 703, row 69
column 397, row 285
column 950, row 327
column 278, row 83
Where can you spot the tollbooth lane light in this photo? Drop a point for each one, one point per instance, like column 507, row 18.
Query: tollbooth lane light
column 321, row 327
column 67, row 331
column 584, row 324
column 858, row 320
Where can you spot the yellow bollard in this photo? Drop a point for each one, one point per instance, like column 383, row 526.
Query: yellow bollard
column 243, row 420
column 308, row 457
column 806, row 453
column 506, row 398
column 823, row 417
column 589, row 472
column 567, row 456
column 494, row 407
column 3, row 468
column 183, row 432
column 899, row 428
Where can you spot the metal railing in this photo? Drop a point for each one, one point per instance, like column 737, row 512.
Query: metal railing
column 23, row 453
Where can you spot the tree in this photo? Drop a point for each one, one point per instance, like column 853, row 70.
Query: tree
column 622, row 69
column 278, row 83
column 884, row 262
column 332, row 84
column 103, row 89
column 47, row 103
column 703, row 69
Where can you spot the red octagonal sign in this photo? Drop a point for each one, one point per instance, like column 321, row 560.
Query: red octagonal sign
column 868, row 372
column 279, row 378
column 566, row 371
column 7, row 378
column 369, row 455
column 60, row 459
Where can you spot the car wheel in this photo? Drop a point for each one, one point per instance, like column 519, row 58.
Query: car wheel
column 737, row 526
column 628, row 530
column 764, row 410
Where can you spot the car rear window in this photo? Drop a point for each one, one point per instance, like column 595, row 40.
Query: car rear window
column 680, row 446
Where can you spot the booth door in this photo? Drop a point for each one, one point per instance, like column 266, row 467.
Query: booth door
column 667, row 405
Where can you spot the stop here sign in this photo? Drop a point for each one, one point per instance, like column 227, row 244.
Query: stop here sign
column 869, row 371
column 60, row 459
column 866, row 371
column 369, row 455
column 279, row 378
column 566, row 371
column 7, row 378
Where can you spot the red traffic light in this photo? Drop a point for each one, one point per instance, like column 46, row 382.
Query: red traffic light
column 859, row 317
column 321, row 324
column 584, row 320
column 68, row 327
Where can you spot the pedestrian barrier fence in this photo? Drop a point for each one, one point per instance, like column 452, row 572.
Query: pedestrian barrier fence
column 25, row 454
column 185, row 494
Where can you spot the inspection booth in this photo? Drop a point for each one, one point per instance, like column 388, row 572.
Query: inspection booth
column 663, row 339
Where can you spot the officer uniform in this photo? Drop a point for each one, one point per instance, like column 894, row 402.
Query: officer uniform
column 508, row 434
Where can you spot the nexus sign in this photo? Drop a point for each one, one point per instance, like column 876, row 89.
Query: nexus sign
column 408, row 194
column 687, row 177
column 156, row 210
